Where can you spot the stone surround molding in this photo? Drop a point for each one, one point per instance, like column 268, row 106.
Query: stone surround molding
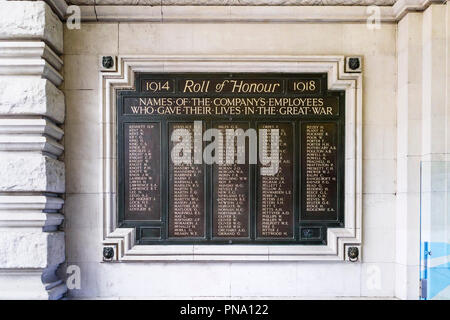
column 122, row 239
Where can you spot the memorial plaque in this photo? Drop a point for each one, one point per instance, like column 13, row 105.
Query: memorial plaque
column 275, row 197
column 175, row 186
column 186, row 185
column 142, row 171
column 231, row 216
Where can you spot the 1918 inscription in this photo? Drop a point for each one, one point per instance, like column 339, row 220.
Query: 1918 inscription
column 231, row 158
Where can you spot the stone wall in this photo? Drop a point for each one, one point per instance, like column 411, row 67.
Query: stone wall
column 231, row 279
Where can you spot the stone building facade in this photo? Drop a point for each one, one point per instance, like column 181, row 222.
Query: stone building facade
column 57, row 157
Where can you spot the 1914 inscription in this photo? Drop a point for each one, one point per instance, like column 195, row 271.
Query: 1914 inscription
column 231, row 158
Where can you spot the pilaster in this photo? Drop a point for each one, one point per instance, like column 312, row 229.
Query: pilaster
column 422, row 123
column 32, row 183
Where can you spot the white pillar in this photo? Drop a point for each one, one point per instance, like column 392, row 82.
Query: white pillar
column 32, row 180
column 434, row 83
column 409, row 128
column 422, row 124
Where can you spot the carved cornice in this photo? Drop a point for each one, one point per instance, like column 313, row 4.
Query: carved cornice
column 236, row 2
column 402, row 7
column 248, row 10
column 59, row 7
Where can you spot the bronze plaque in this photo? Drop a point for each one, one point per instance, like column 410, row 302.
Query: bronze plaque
column 234, row 197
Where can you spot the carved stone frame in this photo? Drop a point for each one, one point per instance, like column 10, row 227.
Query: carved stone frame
column 122, row 239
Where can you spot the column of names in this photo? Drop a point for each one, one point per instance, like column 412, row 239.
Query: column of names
column 142, row 171
column 231, row 188
column 186, row 192
column 319, row 178
column 275, row 202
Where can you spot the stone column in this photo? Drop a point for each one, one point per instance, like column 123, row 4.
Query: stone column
column 409, row 128
column 32, row 177
column 434, row 192
column 422, row 123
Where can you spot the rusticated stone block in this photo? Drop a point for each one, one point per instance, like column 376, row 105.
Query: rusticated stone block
column 28, row 172
column 31, row 20
column 31, row 96
column 31, row 249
